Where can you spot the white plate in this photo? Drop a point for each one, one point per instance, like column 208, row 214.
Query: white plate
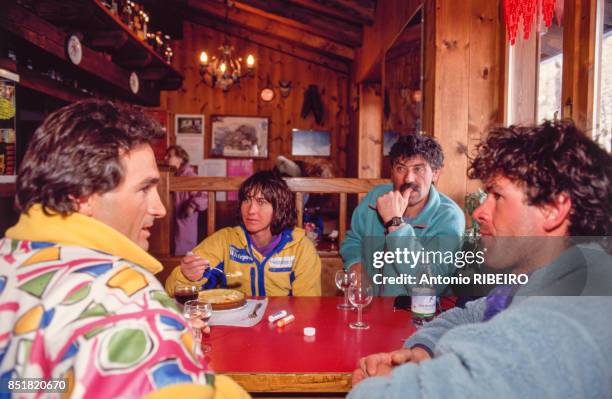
column 231, row 310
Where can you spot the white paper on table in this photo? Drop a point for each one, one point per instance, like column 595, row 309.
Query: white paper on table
column 239, row 317
column 214, row 167
column 194, row 145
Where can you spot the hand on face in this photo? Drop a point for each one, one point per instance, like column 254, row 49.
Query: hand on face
column 380, row 364
column 193, row 267
column 393, row 203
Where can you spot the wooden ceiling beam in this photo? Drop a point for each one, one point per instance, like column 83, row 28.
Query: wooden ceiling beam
column 357, row 12
column 268, row 42
column 269, row 27
column 305, row 19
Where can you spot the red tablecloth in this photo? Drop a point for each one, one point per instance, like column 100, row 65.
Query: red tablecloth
column 336, row 348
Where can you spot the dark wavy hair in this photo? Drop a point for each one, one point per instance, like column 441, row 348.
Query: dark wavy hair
column 549, row 159
column 416, row 144
column 180, row 152
column 76, row 152
column 275, row 190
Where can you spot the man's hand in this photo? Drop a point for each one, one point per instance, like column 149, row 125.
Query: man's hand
column 356, row 268
column 193, row 267
column 380, row 364
column 393, row 203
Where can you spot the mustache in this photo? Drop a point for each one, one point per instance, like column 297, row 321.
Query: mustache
column 407, row 186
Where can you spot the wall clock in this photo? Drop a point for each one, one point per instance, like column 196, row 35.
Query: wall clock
column 74, row 49
column 134, row 83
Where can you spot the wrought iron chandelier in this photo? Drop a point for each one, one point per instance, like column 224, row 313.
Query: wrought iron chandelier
column 224, row 70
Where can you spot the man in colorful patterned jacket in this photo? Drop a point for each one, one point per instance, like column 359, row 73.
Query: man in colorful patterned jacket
column 78, row 298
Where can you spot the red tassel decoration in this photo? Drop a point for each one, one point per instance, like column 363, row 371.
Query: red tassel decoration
column 515, row 10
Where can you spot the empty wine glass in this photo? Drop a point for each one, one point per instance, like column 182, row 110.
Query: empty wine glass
column 197, row 314
column 344, row 280
column 360, row 295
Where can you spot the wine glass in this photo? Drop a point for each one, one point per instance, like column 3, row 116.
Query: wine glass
column 344, row 279
column 185, row 292
column 197, row 314
column 360, row 295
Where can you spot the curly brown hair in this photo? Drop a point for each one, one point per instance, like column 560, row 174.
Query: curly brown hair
column 76, row 152
column 275, row 190
column 549, row 159
column 417, row 144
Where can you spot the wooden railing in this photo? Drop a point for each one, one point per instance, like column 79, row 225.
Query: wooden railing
column 161, row 235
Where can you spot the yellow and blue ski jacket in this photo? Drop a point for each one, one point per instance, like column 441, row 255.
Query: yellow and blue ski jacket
column 292, row 268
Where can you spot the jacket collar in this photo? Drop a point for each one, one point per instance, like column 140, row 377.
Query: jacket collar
column 79, row 230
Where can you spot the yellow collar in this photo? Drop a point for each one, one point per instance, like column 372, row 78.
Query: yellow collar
column 80, row 230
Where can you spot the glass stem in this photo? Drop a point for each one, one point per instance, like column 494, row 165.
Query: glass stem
column 359, row 322
column 196, row 341
column 346, row 297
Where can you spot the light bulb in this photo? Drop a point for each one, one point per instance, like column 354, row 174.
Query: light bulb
column 223, row 67
column 203, row 58
column 250, row 61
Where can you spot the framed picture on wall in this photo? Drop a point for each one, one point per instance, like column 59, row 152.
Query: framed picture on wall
column 389, row 138
column 189, row 124
column 239, row 136
column 310, row 143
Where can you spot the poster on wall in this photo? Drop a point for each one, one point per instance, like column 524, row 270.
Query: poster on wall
column 239, row 136
column 310, row 143
column 238, row 167
column 189, row 133
column 216, row 168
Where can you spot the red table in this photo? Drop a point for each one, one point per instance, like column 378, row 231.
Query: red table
column 265, row 358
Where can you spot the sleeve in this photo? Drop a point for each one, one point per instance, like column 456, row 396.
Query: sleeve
column 212, row 248
column 350, row 250
column 198, row 200
column 526, row 353
column 446, row 236
column 132, row 311
column 307, row 270
column 430, row 333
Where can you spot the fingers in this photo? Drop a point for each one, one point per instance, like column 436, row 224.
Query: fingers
column 192, row 266
column 357, row 377
column 401, row 356
column 373, row 364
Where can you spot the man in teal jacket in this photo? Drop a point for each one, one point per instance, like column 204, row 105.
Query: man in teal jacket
column 411, row 214
column 549, row 190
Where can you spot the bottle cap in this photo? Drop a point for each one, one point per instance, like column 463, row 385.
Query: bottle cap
column 310, row 331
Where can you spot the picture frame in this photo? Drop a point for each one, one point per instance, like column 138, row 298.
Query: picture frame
column 314, row 143
column 189, row 124
column 389, row 138
column 239, row 136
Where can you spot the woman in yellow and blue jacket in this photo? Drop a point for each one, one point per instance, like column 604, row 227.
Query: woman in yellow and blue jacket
column 266, row 255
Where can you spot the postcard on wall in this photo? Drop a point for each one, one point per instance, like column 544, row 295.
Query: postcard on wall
column 194, row 145
column 216, row 168
column 390, row 138
column 188, row 124
column 310, row 143
column 239, row 136
column 238, row 167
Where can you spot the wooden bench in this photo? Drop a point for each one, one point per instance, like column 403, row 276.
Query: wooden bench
column 162, row 232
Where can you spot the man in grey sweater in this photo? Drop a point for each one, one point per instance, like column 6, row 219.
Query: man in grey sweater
column 552, row 337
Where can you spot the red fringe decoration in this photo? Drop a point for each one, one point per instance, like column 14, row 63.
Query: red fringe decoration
column 514, row 10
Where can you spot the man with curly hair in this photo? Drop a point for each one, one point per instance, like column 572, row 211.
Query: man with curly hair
column 266, row 255
column 547, row 185
column 411, row 212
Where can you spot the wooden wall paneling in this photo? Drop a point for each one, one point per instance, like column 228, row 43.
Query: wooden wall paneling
column 485, row 73
column 578, row 87
column 370, row 131
column 160, row 242
column 264, row 25
column 429, row 65
column 198, row 98
column 390, row 18
column 452, row 92
column 523, row 65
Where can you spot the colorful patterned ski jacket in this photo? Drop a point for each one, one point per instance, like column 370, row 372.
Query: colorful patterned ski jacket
column 79, row 301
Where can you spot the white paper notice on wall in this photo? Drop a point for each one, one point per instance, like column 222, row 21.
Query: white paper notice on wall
column 214, row 167
column 194, row 145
